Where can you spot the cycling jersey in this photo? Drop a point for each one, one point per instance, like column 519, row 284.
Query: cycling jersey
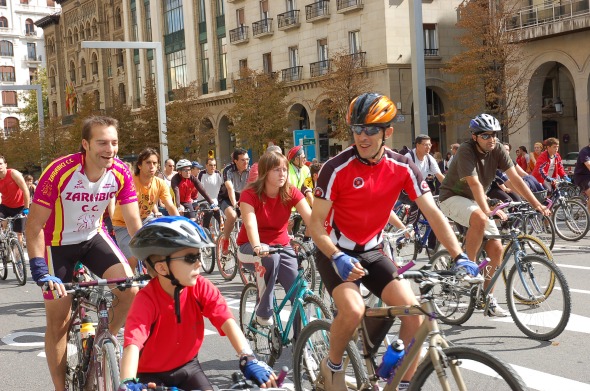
column 76, row 204
column 212, row 183
column 239, row 180
column 12, row 195
column 362, row 195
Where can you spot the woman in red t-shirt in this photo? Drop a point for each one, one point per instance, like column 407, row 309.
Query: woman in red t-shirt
column 266, row 207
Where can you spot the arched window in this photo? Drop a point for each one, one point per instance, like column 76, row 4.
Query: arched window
column 70, row 38
column 122, row 94
column 52, row 77
column 3, row 22
column 94, row 64
column 83, row 69
column 10, row 125
column 7, row 73
column 29, row 27
column 96, row 100
column 9, row 98
column 118, row 18
column 82, row 34
column 73, row 72
column 88, row 31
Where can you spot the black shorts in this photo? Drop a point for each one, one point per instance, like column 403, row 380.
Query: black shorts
column 97, row 254
column 582, row 182
column 189, row 376
column 376, row 262
column 18, row 224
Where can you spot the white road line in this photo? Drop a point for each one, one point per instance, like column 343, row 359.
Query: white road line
column 577, row 323
column 543, row 381
column 561, row 265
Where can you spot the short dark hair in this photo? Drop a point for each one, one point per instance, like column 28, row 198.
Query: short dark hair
column 508, row 145
column 421, row 137
column 96, row 120
column 315, row 168
column 238, row 152
column 143, row 155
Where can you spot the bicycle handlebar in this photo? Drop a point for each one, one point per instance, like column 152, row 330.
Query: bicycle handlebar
column 499, row 207
column 73, row 286
column 18, row 216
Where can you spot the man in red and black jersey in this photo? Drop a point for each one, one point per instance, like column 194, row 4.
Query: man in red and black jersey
column 355, row 192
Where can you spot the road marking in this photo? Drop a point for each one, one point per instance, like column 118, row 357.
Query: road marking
column 544, row 381
column 561, row 265
column 10, row 339
column 577, row 323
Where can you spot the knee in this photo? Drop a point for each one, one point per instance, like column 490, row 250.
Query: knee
column 478, row 220
column 351, row 312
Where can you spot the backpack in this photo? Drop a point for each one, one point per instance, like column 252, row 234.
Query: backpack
column 426, row 156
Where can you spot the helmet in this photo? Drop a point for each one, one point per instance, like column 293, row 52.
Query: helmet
column 166, row 235
column 484, row 123
column 183, row 163
column 370, row 108
column 294, row 152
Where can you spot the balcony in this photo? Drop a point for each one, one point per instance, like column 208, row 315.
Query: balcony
column 317, row 11
column 30, row 33
column 320, row 68
column 430, row 52
column 358, row 60
column 346, row 6
column 262, row 28
column 32, row 58
column 542, row 21
column 239, row 35
column 292, row 74
column 288, row 20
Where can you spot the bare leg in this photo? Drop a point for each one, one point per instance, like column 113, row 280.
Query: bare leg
column 494, row 250
column 351, row 309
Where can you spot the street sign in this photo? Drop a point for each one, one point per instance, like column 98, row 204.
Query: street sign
column 308, row 141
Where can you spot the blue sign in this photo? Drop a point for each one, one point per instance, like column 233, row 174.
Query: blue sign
column 306, row 137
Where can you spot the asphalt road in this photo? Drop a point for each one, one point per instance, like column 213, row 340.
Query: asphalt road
column 561, row 364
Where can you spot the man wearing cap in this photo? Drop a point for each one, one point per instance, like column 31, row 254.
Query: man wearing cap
column 196, row 167
column 299, row 171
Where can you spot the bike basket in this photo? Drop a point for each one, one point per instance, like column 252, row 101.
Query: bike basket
column 374, row 332
column 540, row 195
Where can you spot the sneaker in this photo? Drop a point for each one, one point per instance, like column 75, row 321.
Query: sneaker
column 495, row 310
column 264, row 321
column 333, row 381
column 224, row 246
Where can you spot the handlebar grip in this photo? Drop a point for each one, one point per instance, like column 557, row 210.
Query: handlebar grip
column 499, row 206
column 282, row 375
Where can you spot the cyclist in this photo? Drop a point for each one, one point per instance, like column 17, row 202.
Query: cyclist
column 266, row 207
column 582, row 172
column 183, row 185
column 173, row 305
column 299, row 171
column 355, row 192
column 463, row 192
column 212, row 182
column 168, row 172
column 548, row 166
column 15, row 198
column 196, row 168
column 235, row 176
column 150, row 189
column 31, row 186
column 65, row 226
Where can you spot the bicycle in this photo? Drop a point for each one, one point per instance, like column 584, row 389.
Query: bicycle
column 95, row 360
column 305, row 251
column 208, row 254
column 537, row 293
column 11, row 251
column 443, row 367
column 228, row 265
column 269, row 340
column 239, row 383
column 570, row 217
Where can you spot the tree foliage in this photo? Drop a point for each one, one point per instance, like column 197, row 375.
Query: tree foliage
column 489, row 72
column 346, row 81
column 258, row 115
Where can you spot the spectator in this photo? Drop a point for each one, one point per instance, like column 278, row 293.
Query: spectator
column 537, row 149
column 549, row 166
column 30, row 185
column 522, row 159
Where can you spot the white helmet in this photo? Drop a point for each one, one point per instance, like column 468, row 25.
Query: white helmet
column 183, row 163
column 484, row 123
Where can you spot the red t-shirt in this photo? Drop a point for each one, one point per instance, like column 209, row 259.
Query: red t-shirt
column 151, row 324
column 272, row 217
column 12, row 195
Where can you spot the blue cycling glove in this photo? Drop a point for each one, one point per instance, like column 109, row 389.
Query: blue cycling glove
column 343, row 264
column 568, row 179
column 25, row 211
column 48, row 277
column 132, row 385
column 255, row 370
column 463, row 264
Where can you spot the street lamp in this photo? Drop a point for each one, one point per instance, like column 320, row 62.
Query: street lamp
column 558, row 105
column 160, row 94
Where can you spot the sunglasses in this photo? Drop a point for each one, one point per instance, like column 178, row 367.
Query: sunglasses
column 370, row 130
column 191, row 259
column 486, row 136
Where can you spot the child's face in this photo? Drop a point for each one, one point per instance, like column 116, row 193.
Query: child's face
column 185, row 272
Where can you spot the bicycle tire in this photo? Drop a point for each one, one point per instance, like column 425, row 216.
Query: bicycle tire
column 499, row 376
column 110, row 367
column 526, row 242
column 17, row 257
column 326, row 298
column 4, row 267
column 536, row 317
column 74, row 357
column 571, row 220
column 541, row 227
column 314, row 308
column 312, row 347
column 245, row 274
column 453, row 301
column 258, row 335
column 306, row 261
column 227, row 265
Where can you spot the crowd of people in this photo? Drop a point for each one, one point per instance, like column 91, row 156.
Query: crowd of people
column 345, row 204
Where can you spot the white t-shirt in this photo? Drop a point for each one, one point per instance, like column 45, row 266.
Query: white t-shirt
column 212, row 183
column 427, row 166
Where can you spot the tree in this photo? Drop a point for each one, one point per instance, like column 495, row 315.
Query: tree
column 346, row 81
column 258, row 115
column 489, row 72
column 55, row 141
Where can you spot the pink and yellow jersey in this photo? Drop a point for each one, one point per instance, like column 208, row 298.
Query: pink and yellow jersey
column 76, row 204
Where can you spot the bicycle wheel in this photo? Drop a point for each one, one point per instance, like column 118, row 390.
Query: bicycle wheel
column 327, row 299
column 75, row 358
column 527, row 243
column 547, row 308
column 541, row 227
column 226, row 264
column 259, row 335
column 314, row 308
column 306, row 261
column 312, row 347
column 4, row 267
column 571, row 220
column 17, row 257
column 110, row 366
column 479, row 370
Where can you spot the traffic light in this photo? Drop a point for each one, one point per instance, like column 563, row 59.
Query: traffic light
column 211, row 154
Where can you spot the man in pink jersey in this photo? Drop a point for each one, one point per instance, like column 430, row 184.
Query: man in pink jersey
column 15, row 196
column 65, row 226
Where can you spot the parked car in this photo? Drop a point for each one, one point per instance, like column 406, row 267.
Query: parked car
column 569, row 162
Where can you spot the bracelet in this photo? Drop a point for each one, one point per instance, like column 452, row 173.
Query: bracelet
column 247, row 351
column 259, row 246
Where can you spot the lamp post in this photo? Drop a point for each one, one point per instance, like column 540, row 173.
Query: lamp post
column 160, row 94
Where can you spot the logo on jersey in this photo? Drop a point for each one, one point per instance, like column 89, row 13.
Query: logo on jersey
column 79, row 185
column 318, row 192
column 358, row 182
column 424, row 186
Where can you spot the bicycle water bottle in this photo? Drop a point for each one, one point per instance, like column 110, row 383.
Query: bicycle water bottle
column 87, row 334
column 391, row 358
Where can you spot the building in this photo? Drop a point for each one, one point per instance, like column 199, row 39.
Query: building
column 207, row 41
column 22, row 51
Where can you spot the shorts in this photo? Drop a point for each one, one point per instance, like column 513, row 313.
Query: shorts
column 18, row 225
column 189, row 376
column 224, row 205
column 123, row 239
column 376, row 262
column 582, row 182
column 459, row 209
column 98, row 254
